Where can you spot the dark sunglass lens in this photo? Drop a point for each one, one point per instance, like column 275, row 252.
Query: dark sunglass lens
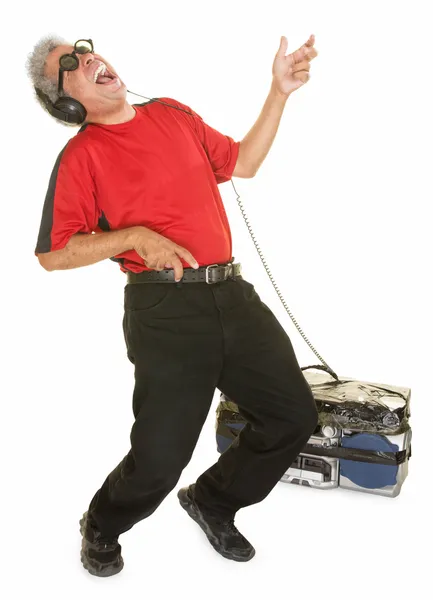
column 83, row 47
column 68, row 62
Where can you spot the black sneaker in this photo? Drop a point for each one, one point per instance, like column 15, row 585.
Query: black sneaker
column 100, row 556
column 222, row 534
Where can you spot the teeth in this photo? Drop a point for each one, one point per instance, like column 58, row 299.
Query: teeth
column 102, row 68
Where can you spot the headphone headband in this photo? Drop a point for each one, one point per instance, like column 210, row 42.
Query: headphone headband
column 69, row 110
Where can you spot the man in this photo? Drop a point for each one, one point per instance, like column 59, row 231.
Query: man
column 138, row 184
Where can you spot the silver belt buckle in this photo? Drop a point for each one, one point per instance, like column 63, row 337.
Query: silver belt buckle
column 230, row 268
column 207, row 272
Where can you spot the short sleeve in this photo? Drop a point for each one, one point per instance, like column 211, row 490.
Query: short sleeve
column 70, row 204
column 222, row 150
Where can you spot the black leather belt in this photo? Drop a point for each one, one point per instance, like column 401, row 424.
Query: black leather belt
column 208, row 274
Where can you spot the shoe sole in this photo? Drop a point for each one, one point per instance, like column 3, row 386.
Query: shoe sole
column 104, row 571
column 192, row 511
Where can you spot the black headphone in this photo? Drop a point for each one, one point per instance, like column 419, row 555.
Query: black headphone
column 65, row 109
column 69, row 110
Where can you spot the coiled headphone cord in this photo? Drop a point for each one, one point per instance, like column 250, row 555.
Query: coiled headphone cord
column 260, row 253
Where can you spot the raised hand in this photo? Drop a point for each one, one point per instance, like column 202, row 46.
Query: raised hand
column 292, row 71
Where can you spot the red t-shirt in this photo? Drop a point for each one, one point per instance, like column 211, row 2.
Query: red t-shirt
column 160, row 170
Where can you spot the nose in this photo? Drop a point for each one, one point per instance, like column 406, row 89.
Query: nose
column 87, row 59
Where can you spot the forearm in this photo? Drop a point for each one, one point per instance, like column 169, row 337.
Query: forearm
column 87, row 249
column 257, row 143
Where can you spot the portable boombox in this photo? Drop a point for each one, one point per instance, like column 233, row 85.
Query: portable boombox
column 362, row 441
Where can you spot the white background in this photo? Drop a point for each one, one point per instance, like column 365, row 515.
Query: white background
column 341, row 211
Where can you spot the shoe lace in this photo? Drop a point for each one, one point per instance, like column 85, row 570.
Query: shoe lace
column 229, row 524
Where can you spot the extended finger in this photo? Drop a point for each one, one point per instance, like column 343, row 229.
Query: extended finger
column 178, row 268
column 310, row 41
column 311, row 53
column 304, row 52
column 187, row 256
column 308, row 46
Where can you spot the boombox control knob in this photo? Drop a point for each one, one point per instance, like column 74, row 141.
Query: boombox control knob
column 329, row 431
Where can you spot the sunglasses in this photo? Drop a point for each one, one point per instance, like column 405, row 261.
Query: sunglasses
column 70, row 62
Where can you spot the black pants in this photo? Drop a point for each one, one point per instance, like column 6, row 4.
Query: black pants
column 185, row 341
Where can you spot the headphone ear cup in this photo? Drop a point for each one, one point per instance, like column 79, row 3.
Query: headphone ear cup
column 73, row 110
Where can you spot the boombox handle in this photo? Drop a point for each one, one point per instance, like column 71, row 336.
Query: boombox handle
column 323, row 368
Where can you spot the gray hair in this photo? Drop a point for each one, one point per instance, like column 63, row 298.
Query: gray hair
column 35, row 66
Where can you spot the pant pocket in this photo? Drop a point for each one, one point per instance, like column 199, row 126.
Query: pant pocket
column 146, row 296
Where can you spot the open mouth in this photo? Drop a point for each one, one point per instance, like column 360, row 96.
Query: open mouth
column 103, row 76
column 106, row 79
